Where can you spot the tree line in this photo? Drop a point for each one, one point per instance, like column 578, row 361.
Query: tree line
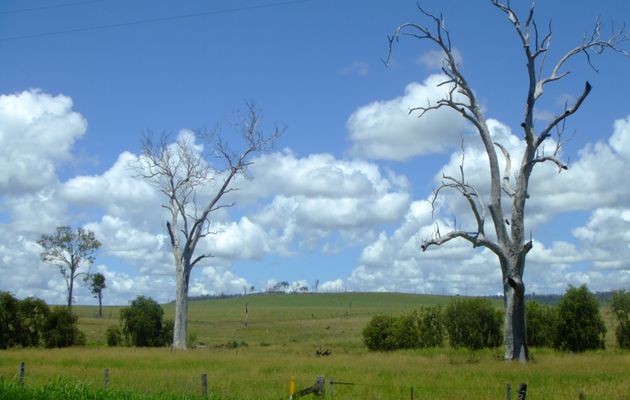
column 575, row 324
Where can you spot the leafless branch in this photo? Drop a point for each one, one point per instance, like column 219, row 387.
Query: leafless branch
column 505, row 183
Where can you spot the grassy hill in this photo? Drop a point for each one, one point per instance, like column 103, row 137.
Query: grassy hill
column 283, row 333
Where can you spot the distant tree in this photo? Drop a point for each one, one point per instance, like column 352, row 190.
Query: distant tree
column 252, row 289
column 97, row 284
column 69, row 250
column 379, row 333
column 62, row 329
column 10, row 326
column 621, row 308
column 33, row 313
column 316, row 286
column 143, row 323
column 182, row 174
column 506, row 217
column 580, row 324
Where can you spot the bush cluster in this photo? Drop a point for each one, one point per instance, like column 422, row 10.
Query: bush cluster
column 473, row 323
column 143, row 325
column 580, row 324
column 31, row 323
column 621, row 308
column 542, row 324
column 419, row 329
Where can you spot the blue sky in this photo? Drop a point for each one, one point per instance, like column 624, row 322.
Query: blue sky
column 81, row 81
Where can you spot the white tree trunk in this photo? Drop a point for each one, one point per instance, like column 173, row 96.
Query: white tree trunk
column 514, row 328
column 180, row 329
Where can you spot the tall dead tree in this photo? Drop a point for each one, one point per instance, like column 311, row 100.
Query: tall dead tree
column 184, row 175
column 508, row 240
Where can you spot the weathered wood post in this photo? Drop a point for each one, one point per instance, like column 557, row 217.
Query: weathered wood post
column 582, row 395
column 21, row 374
column 522, row 391
column 246, row 314
column 411, row 394
column 106, row 378
column 204, row 385
column 332, row 390
column 320, row 387
column 509, row 392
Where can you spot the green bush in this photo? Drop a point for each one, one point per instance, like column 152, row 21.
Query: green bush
column 405, row 332
column 143, row 325
column 379, row 333
column 61, row 329
column 580, row 325
column 9, row 320
column 542, row 324
column 431, row 327
column 473, row 323
column 621, row 308
column 113, row 336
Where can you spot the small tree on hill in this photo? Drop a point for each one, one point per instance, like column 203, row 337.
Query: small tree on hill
column 580, row 324
column 69, row 250
column 97, row 284
column 143, row 323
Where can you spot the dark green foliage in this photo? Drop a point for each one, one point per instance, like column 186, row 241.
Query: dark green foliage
column 61, row 329
column 34, row 314
column 405, row 332
column 419, row 329
column 542, row 324
column 143, row 325
column 379, row 333
column 431, row 327
column 580, row 325
column 620, row 305
column 473, row 323
column 113, row 336
column 97, row 285
column 9, row 320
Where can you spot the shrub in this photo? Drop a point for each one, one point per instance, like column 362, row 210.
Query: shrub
column 542, row 324
column 61, row 329
column 9, row 320
column 473, row 323
column 379, row 333
column 113, row 336
column 621, row 308
column 142, row 323
column 405, row 332
column 431, row 327
column 580, row 325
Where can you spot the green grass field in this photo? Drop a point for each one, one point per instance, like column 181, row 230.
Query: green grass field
column 282, row 336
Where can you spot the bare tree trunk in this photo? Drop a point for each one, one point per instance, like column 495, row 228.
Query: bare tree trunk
column 514, row 328
column 180, row 330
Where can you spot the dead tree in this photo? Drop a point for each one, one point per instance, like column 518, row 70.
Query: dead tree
column 183, row 174
column 508, row 240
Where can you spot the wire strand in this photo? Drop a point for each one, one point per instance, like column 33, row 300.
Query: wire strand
column 153, row 20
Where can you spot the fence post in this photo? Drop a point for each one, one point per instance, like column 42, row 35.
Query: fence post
column 522, row 391
column 411, row 393
column 22, row 373
column 292, row 388
column 106, row 378
column 204, row 385
column 509, row 392
column 332, row 390
column 321, row 387
column 582, row 395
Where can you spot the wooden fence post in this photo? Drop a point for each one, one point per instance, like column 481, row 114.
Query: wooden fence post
column 106, row 378
column 522, row 391
column 321, row 387
column 411, row 393
column 22, row 367
column 509, row 392
column 204, row 385
column 332, row 390
column 582, row 395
